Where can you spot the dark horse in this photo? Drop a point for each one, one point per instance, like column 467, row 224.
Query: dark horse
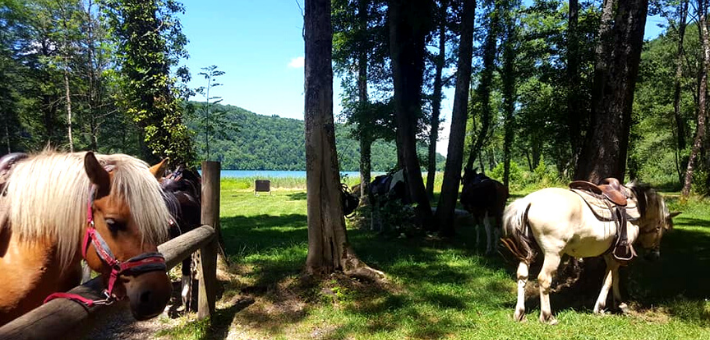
column 386, row 190
column 484, row 198
column 183, row 189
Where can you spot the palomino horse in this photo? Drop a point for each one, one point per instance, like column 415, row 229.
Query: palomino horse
column 484, row 198
column 560, row 221
column 183, row 190
column 52, row 201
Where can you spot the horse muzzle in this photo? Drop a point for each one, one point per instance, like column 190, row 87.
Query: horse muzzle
column 148, row 294
column 653, row 255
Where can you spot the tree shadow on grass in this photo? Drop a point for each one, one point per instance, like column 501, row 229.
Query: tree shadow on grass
column 297, row 196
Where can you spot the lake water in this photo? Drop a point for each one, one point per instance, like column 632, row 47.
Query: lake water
column 281, row 174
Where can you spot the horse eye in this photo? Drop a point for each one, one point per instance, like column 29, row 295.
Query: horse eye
column 114, row 226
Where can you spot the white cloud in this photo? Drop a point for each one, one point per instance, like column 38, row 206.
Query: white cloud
column 296, row 62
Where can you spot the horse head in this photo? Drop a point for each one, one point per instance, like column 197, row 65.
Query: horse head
column 655, row 218
column 127, row 220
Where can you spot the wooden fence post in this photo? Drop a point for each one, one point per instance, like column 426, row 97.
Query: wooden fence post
column 208, row 253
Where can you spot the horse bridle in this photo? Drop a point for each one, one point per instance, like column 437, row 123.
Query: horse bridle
column 140, row 264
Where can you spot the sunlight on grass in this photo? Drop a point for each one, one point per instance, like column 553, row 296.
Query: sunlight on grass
column 436, row 289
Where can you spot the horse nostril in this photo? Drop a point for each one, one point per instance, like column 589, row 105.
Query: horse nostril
column 145, row 297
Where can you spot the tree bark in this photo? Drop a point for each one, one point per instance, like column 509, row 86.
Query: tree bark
column 508, row 94
column 702, row 94
column 484, row 88
column 452, row 173
column 436, row 100
column 680, row 125
column 409, row 23
column 328, row 247
column 365, row 140
column 573, row 94
column 605, row 150
column 67, row 94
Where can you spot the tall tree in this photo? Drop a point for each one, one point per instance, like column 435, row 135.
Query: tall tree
column 409, row 23
column 573, row 78
column 439, row 62
column 483, row 91
column 328, row 247
column 606, row 145
column 150, row 42
column 700, row 132
column 210, row 73
column 680, row 124
column 452, row 173
column 509, row 77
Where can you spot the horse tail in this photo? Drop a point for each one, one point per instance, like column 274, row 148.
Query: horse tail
column 517, row 235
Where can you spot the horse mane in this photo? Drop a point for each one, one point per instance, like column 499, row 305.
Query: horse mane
column 49, row 192
column 648, row 197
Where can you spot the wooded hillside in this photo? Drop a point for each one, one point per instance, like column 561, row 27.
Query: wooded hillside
column 276, row 143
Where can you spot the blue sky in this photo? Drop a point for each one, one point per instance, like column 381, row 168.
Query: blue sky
column 259, row 45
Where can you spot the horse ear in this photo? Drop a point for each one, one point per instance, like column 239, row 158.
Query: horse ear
column 97, row 175
column 159, row 169
column 674, row 213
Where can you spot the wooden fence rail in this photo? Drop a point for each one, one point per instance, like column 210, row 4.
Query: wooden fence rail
column 66, row 319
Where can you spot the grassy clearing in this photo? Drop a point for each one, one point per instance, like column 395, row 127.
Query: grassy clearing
column 437, row 289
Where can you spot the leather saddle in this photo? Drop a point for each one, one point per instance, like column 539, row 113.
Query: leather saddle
column 610, row 188
column 614, row 196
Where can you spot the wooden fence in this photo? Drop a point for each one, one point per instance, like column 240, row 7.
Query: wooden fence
column 66, row 319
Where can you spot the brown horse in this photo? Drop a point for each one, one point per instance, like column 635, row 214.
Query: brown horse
column 52, row 201
column 484, row 198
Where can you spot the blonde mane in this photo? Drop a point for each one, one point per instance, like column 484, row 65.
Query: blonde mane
column 655, row 205
column 49, row 193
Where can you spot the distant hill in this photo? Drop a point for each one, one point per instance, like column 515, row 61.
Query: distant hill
column 275, row 143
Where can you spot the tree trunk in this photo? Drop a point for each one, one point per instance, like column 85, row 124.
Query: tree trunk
column 484, row 88
column 680, row 130
column 605, row 150
column 328, row 247
column 409, row 24
column 436, row 100
column 365, row 140
column 702, row 94
column 454, row 160
column 508, row 94
column 67, row 94
column 573, row 94
column 365, row 167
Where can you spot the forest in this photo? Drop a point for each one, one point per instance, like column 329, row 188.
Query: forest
column 73, row 76
column 261, row 142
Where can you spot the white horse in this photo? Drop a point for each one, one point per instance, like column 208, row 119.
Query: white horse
column 558, row 221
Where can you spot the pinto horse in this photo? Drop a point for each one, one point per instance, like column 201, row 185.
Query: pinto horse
column 383, row 190
column 558, row 221
column 51, row 201
column 183, row 190
column 484, row 198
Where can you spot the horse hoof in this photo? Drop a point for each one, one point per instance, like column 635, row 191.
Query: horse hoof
column 623, row 308
column 519, row 316
column 548, row 319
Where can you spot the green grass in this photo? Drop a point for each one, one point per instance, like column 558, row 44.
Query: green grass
column 437, row 289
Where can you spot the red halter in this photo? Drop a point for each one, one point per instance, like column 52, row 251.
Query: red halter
column 143, row 263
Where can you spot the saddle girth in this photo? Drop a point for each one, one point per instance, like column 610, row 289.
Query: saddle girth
column 610, row 192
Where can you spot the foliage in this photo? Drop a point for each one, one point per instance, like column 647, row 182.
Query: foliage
column 213, row 123
column 150, row 41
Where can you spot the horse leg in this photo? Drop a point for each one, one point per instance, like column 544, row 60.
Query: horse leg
column 489, row 233
column 186, row 292
column 618, row 302
column 477, row 223
column 549, row 268
column 519, row 314
column 600, row 305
